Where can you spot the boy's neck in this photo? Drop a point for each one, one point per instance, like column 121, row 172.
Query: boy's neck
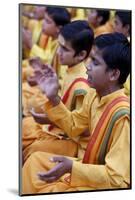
column 54, row 37
column 109, row 90
column 73, row 65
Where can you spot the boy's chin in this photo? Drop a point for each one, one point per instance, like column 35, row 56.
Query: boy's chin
column 62, row 63
column 90, row 83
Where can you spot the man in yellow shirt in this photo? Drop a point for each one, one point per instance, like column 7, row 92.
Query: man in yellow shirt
column 105, row 111
column 75, row 42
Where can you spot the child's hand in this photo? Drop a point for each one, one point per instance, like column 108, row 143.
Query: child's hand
column 49, row 83
column 35, row 63
column 39, row 117
column 64, row 166
column 32, row 81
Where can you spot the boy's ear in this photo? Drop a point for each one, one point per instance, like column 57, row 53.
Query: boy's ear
column 114, row 75
column 59, row 28
column 127, row 28
column 99, row 20
column 82, row 55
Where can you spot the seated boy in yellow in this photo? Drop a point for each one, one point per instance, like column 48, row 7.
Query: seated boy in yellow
column 100, row 21
column 55, row 18
column 75, row 42
column 105, row 111
column 32, row 21
column 122, row 24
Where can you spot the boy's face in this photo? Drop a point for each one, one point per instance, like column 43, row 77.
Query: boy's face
column 49, row 27
column 92, row 17
column 66, row 52
column 39, row 12
column 118, row 26
column 98, row 76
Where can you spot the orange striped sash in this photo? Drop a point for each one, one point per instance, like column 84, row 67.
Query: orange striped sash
column 99, row 133
column 67, row 93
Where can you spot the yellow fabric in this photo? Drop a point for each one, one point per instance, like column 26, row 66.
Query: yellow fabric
column 116, row 171
column 30, row 183
column 49, row 141
column 46, row 54
column 75, row 123
column 127, row 86
column 35, row 95
column 24, row 21
column 79, row 14
column 103, row 29
column 36, row 27
column 32, row 97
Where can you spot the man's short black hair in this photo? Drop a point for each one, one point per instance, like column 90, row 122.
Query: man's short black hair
column 61, row 16
column 79, row 34
column 116, row 53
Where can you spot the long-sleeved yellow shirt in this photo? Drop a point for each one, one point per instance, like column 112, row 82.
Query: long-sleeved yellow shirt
column 116, row 171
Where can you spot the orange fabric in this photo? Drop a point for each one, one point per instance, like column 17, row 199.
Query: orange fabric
column 54, row 140
column 106, row 28
column 43, row 40
column 30, row 186
column 94, row 143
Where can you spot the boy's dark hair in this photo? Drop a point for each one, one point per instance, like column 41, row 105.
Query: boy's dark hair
column 105, row 14
column 79, row 34
column 125, row 18
column 61, row 16
column 116, row 53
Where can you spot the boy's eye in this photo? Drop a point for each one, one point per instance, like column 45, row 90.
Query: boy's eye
column 64, row 48
column 47, row 21
column 95, row 62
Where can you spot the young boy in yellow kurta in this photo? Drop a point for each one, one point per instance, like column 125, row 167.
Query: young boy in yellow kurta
column 105, row 111
column 32, row 22
column 55, row 19
column 75, row 42
column 122, row 24
column 100, row 20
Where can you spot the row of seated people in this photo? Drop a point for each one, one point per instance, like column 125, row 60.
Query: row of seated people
column 60, row 63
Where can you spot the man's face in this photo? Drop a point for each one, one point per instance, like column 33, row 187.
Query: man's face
column 49, row 27
column 98, row 76
column 66, row 52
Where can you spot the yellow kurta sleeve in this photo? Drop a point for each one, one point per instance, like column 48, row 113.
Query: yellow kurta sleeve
column 73, row 123
column 127, row 86
column 79, row 102
column 115, row 172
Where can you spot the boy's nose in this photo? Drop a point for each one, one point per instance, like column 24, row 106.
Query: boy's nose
column 88, row 65
column 59, row 51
